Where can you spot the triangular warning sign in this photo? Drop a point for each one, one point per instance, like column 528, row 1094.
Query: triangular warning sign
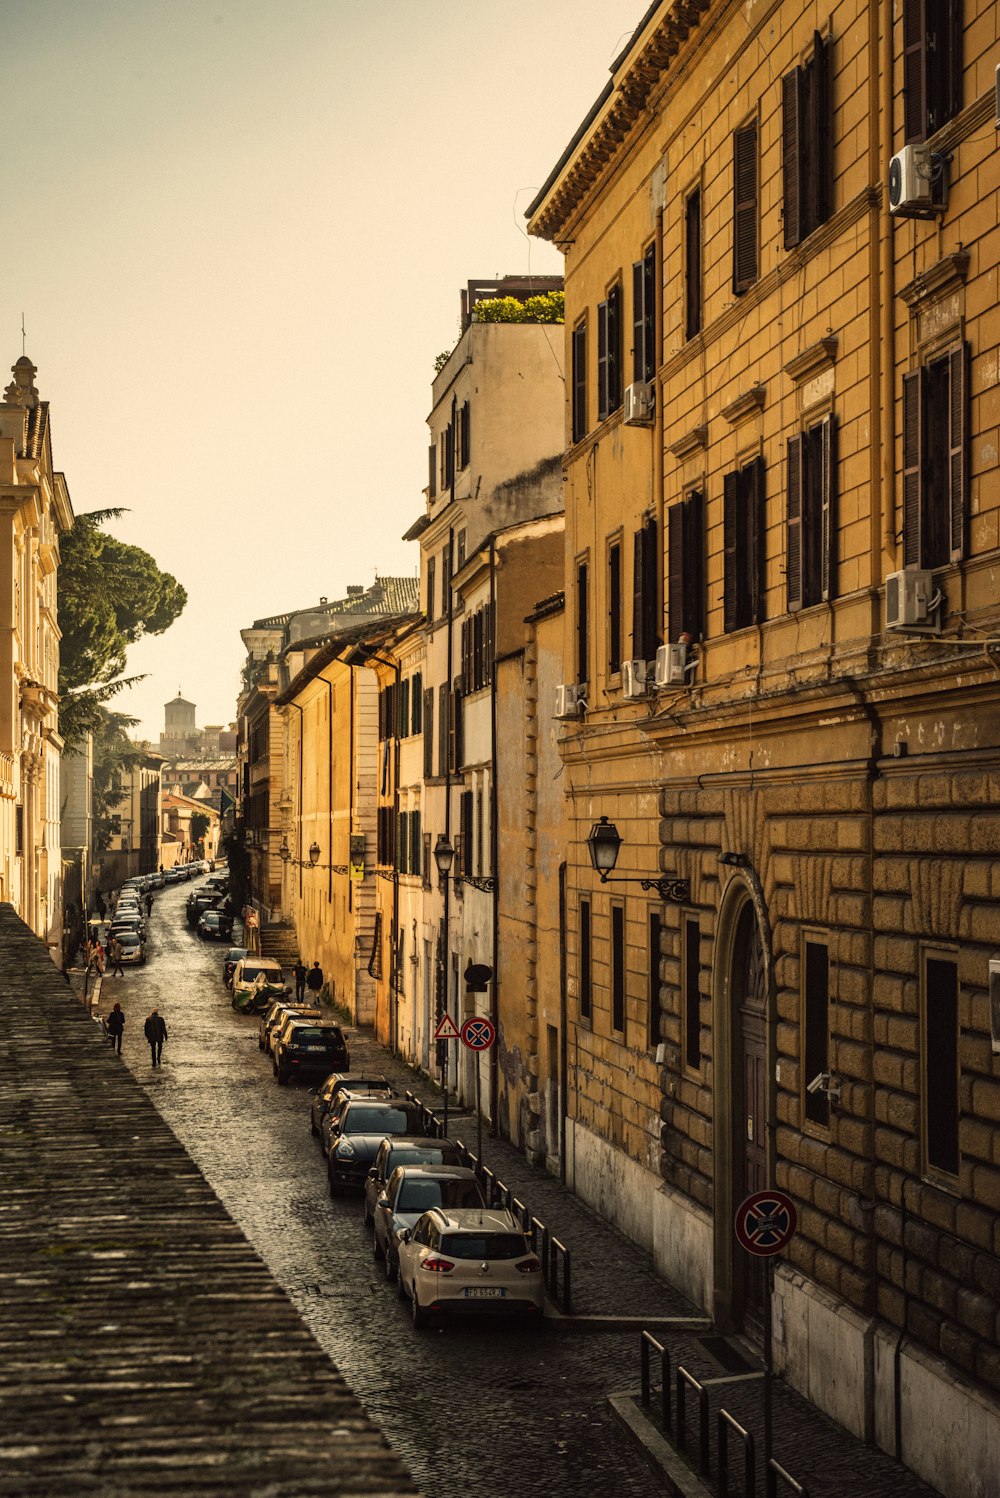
column 447, row 1029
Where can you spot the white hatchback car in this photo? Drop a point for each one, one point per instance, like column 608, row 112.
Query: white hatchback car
column 469, row 1261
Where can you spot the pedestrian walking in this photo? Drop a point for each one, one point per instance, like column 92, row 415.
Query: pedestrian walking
column 156, row 1033
column 99, row 956
column 117, row 971
column 299, row 971
column 116, row 1024
column 102, row 909
column 149, row 905
column 314, row 980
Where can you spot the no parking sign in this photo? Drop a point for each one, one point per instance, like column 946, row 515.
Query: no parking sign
column 478, row 1033
column 765, row 1222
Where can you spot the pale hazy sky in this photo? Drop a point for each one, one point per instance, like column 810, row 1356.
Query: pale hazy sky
column 237, row 231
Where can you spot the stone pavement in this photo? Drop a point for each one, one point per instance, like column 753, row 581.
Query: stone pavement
column 614, row 1282
column 144, row 1346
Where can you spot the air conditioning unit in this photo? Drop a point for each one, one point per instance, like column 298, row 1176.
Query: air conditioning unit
column 671, row 665
column 639, row 402
column 634, row 678
column 918, row 182
column 570, row 701
column 910, row 600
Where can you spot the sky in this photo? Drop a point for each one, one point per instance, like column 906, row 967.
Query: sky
column 237, row 232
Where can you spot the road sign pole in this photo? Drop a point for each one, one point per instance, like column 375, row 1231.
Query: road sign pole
column 444, row 1073
column 479, row 1111
column 769, row 1484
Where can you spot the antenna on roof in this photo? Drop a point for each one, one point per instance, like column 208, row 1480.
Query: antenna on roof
column 23, row 337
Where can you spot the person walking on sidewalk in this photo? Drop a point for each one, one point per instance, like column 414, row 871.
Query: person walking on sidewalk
column 149, row 905
column 156, row 1033
column 299, row 973
column 314, row 982
column 116, row 1024
column 117, row 971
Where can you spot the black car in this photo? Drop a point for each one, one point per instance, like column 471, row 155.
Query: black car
column 215, row 926
column 275, row 1015
column 197, row 904
column 309, row 1049
column 412, row 1190
column 393, row 1152
column 232, row 957
column 340, row 1084
column 355, row 1131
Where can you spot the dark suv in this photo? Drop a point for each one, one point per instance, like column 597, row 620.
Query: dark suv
column 355, row 1131
column 309, row 1049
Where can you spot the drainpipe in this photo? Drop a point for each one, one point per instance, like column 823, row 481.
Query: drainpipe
column 329, row 787
column 396, row 669
column 301, row 714
column 447, row 753
column 563, row 1021
column 494, row 851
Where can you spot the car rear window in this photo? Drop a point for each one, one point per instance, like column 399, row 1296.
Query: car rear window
column 252, row 970
column 420, row 1196
column 386, row 1120
column 426, row 1155
column 128, row 939
column 485, row 1245
column 310, row 1034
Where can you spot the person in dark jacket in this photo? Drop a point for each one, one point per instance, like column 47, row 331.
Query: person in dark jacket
column 299, row 972
column 314, row 982
column 156, row 1033
column 116, row 1024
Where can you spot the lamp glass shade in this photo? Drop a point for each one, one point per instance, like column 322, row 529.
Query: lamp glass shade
column 604, row 841
column 314, row 851
column 444, row 854
column 284, row 852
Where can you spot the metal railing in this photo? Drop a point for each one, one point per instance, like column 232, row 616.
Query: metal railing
column 725, row 1422
column 686, row 1380
column 648, row 1345
column 776, row 1470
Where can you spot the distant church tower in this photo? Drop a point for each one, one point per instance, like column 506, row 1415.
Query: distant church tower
column 180, row 735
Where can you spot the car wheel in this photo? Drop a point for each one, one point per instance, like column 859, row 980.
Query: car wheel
column 365, row 1212
column 334, row 1187
column 312, row 1127
column 417, row 1313
column 390, row 1273
column 376, row 1246
column 400, row 1287
column 281, row 1075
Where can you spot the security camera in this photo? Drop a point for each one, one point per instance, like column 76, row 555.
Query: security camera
column 819, row 1083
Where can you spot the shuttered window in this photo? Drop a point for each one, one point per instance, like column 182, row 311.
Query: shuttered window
column 432, row 472
column 816, row 1030
column 618, row 968
column 811, row 526
column 940, row 1065
column 428, row 731
column 416, row 697
column 444, row 728
column 614, row 609
column 806, row 145
column 932, row 66
column 609, row 353
column 582, row 624
column 655, row 929
column 644, row 316
column 646, row 592
column 686, row 568
column 579, row 382
column 585, row 961
column 743, row 541
column 935, row 459
column 464, row 435
column 692, row 264
column 430, row 589
column 745, row 210
column 416, row 843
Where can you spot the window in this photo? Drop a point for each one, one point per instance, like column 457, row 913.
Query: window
column 685, row 567
column 586, row 992
column 646, row 592
column 445, row 582
column 644, row 316
column 582, row 622
column 416, row 702
column 940, row 1065
column 456, row 744
column 430, row 589
column 425, row 865
column 403, row 712
column 815, row 1030
column 428, row 732
column 745, row 208
column 811, row 524
column 432, row 472
column 692, row 263
column 464, row 435
column 444, row 729
column 19, row 830
column 935, row 427
column 465, row 813
column 692, row 995
column 416, row 843
column 932, row 66
column 618, row 968
column 609, row 353
column 460, row 544
column 655, row 929
column 614, row 609
column 403, row 843
column 743, row 541
column 446, row 446
column 579, row 413
column 805, row 144
column 479, row 831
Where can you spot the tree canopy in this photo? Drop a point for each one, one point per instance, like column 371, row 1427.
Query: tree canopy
column 110, row 595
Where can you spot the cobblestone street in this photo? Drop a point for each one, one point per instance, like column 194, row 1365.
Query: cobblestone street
column 471, row 1408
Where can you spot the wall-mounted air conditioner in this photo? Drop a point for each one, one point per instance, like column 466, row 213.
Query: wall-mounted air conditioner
column 910, row 600
column 639, row 404
column 634, row 678
column 570, row 701
column 918, row 182
column 671, row 665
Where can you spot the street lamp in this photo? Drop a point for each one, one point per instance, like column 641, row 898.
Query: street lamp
column 284, row 852
column 314, row 852
column 603, row 844
column 444, row 857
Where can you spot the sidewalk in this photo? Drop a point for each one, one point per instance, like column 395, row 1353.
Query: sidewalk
column 615, row 1290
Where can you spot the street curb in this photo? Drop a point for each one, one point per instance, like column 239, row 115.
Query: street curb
column 557, row 1321
column 678, row 1479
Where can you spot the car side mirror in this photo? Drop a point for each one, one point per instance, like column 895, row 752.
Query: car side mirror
column 383, row 1201
column 405, row 1236
column 373, row 1174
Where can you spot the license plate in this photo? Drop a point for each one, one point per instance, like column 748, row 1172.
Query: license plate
column 484, row 1292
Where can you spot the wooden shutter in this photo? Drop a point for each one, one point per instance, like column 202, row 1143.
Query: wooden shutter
column 745, row 207
column 416, row 721
column 432, row 473
column 579, row 382
column 791, row 155
column 415, row 843
column 676, row 533
column 694, row 564
column 428, row 732
column 692, row 268
column 466, row 434
column 820, row 156
column 914, row 70
column 650, row 589
column 582, row 623
column 795, row 530
column 828, row 515
column 638, row 610
column 614, row 610
column 614, row 348
column 443, row 727
column 638, row 321
column 731, row 559
column 403, row 716
column 602, row 361
column 431, row 583
column 754, row 475
column 913, row 483
column 958, row 425
column 649, row 311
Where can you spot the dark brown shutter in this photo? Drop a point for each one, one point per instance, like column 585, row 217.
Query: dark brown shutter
column 443, row 727
column 745, row 207
column 694, row 564
column 638, row 321
column 958, row 425
column 649, row 311
column 791, row 155
column 913, row 442
column 614, row 610
column 755, row 536
column 795, row 530
column 692, row 269
column 579, row 382
column 602, row 360
column 432, row 474
column 582, row 623
column 614, row 348
column 731, row 558
column 638, row 612
column 820, row 160
column 914, row 70
column 676, row 531
column 428, row 732
column 828, row 517
column 651, row 572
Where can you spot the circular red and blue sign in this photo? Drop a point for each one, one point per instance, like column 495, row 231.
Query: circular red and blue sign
column 765, row 1222
column 478, row 1033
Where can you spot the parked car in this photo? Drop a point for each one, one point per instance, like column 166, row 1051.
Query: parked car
column 393, row 1152
column 133, row 947
column 354, row 1131
column 307, row 1048
column 275, row 1016
column 156, row 881
column 215, row 926
column 338, row 1085
column 229, row 962
column 122, row 923
column 411, row 1191
column 250, row 968
column 469, row 1260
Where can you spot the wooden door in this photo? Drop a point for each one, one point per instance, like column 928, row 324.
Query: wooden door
column 749, row 1109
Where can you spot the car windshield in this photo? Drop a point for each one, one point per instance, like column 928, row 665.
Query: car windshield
column 311, row 1034
column 420, row 1196
column 252, row 970
column 128, row 939
column 379, row 1120
column 485, row 1245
